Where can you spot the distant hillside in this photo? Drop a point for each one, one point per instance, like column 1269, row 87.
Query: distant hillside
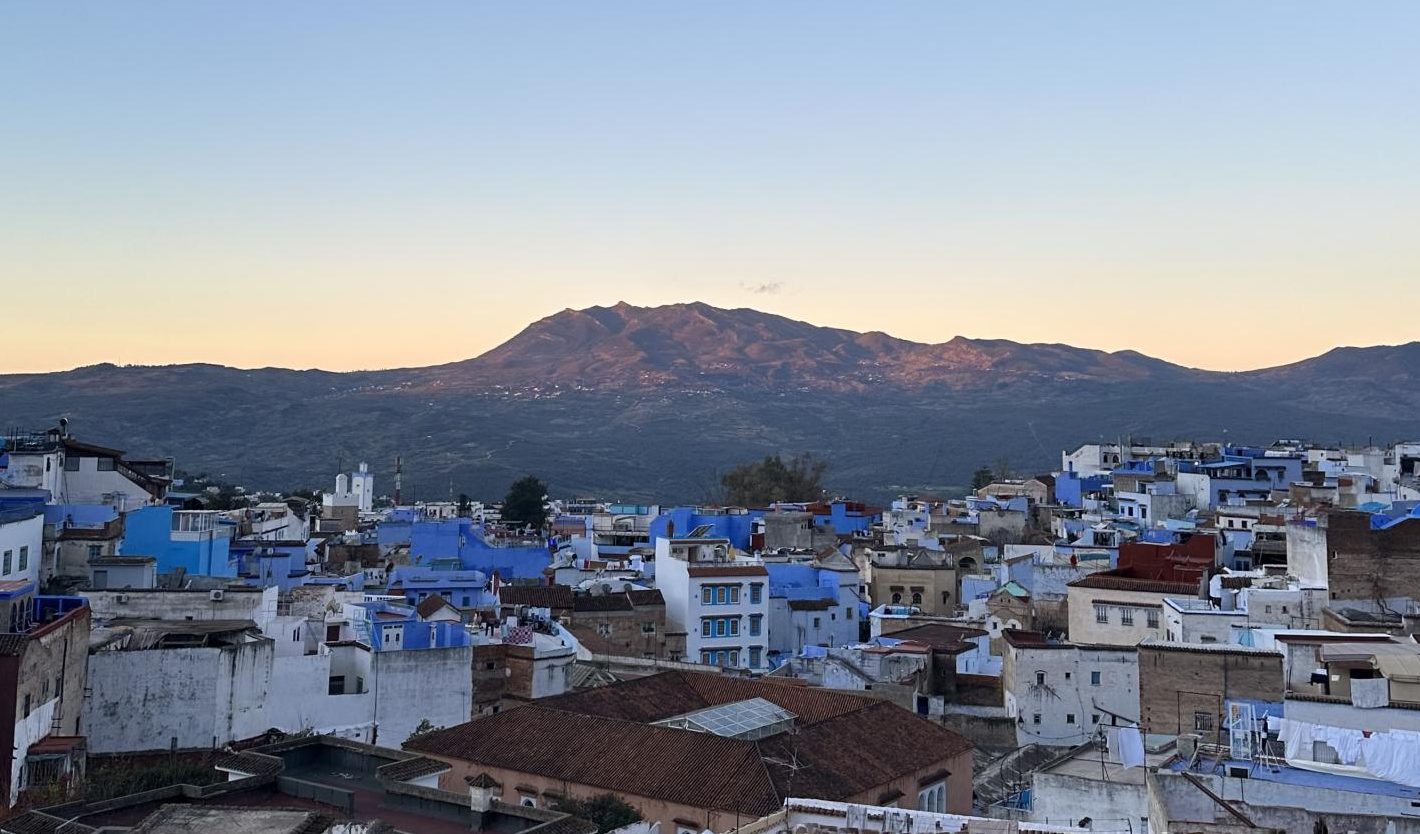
column 656, row 402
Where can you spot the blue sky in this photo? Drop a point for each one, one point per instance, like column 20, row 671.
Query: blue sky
column 359, row 184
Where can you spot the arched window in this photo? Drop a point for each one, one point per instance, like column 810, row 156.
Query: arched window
column 916, row 598
column 897, row 599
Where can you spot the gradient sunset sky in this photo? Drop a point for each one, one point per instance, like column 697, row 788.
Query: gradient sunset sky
column 357, row 184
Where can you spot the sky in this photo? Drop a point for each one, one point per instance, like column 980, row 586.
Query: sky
column 365, row 184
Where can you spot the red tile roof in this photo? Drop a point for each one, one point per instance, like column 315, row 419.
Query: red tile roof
column 843, row 744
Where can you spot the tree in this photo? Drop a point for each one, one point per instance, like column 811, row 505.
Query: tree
column 465, row 505
column 982, row 477
column 524, row 504
column 425, row 727
column 607, row 810
column 773, row 479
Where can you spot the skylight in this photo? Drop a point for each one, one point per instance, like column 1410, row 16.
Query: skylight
column 751, row 719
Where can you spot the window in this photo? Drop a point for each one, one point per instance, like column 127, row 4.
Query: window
column 707, row 595
column 1067, row 676
column 818, row 621
column 946, row 597
column 95, row 551
column 1267, row 609
column 9, row 557
column 734, row 658
column 359, row 684
column 1101, row 614
column 1126, row 616
column 933, row 798
column 735, row 627
column 1203, row 721
column 107, row 464
column 720, row 628
column 756, row 593
column 1035, row 719
column 706, row 627
column 897, row 599
column 24, row 557
column 71, row 464
column 1094, row 679
column 527, row 801
column 26, row 713
column 916, row 598
column 754, row 656
column 1069, row 718
column 722, row 595
column 337, row 685
column 734, row 595
column 1152, row 618
column 755, row 624
column 1040, row 679
column 648, row 628
column 1094, row 718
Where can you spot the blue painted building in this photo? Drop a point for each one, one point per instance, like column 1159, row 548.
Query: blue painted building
column 1072, row 489
column 736, row 525
column 193, row 540
column 811, row 605
column 461, row 541
column 398, row 628
column 281, row 564
column 462, row 588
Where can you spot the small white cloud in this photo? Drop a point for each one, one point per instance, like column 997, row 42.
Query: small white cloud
column 767, row 288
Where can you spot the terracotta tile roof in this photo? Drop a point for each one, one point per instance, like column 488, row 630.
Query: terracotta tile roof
column 1110, row 581
column 256, row 764
column 938, row 635
column 728, row 570
column 853, row 753
column 602, row 602
column 843, row 744
column 701, row 770
column 646, row 598
column 431, row 605
column 403, row 771
column 556, row 597
column 661, row 696
column 36, row 822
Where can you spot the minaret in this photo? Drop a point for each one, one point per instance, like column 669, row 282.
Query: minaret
column 398, row 479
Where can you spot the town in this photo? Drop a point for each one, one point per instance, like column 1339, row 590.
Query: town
column 1185, row 636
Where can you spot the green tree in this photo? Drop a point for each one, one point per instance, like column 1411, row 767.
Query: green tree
column 607, row 810
column 524, row 503
column 982, row 477
column 425, row 727
column 764, row 482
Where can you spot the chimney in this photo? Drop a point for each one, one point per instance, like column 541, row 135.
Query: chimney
column 481, row 793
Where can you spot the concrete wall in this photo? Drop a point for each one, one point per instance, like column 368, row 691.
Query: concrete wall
column 1278, row 805
column 1085, row 629
column 141, row 699
column 1306, row 554
column 1366, row 564
column 1069, row 692
column 1064, row 799
column 21, row 540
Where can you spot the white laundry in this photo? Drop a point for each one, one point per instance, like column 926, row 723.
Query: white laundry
column 1131, row 747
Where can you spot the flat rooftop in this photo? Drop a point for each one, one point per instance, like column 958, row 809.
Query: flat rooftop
column 1286, row 775
column 1094, row 764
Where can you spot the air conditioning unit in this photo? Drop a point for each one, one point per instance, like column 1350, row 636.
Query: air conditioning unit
column 121, row 599
column 216, row 595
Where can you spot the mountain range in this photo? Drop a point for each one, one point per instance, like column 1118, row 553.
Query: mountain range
column 654, row 403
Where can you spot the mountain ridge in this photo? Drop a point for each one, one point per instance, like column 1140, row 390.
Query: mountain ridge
column 651, row 403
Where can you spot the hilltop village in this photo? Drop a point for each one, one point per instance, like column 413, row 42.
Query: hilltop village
column 1187, row 637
